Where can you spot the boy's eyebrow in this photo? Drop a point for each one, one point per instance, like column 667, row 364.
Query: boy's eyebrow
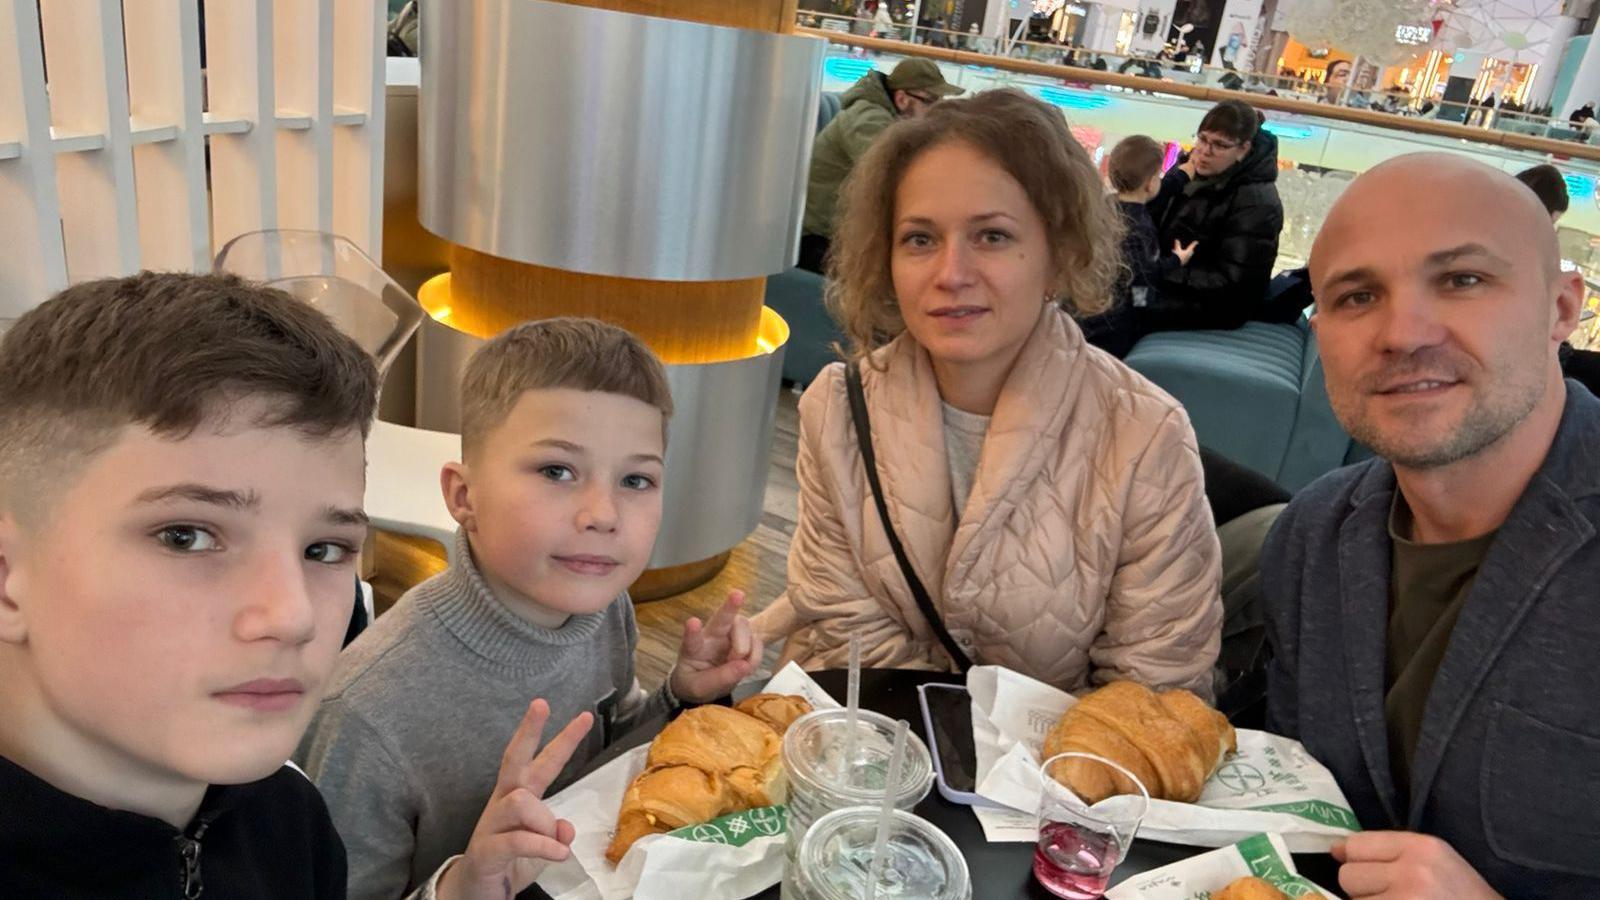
column 559, row 444
column 339, row 516
column 570, row 447
column 199, row 493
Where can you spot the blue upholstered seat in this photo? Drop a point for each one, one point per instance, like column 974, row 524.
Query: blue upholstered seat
column 1254, row 394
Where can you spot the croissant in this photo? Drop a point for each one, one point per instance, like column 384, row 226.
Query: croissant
column 1171, row 742
column 1249, row 888
column 777, row 710
column 708, row 762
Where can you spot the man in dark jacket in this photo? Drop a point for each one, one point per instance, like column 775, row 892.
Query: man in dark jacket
column 1223, row 195
column 871, row 105
column 1433, row 611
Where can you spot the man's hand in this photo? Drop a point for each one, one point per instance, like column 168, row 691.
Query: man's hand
column 517, row 835
column 717, row 655
column 1401, row 865
column 1187, row 166
column 1183, row 253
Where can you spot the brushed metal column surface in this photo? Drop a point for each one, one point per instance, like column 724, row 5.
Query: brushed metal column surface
column 719, row 442
column 615, row 144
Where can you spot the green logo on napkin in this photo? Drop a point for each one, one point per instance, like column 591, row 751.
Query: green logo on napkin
column 738, row 829
column 1267, row 865
column 1319, row 811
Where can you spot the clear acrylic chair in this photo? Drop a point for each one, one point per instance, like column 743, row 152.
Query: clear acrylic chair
column 335, row 276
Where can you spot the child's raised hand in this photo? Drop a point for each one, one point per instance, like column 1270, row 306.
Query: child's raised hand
column 717, row 655
column 1183, row 253
column 517, row 835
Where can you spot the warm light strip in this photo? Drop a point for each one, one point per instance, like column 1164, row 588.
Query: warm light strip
column 772, row 333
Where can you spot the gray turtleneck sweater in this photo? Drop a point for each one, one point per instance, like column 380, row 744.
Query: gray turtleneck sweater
column 407, row 743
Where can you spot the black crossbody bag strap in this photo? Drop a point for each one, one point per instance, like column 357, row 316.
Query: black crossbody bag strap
column 858, row 412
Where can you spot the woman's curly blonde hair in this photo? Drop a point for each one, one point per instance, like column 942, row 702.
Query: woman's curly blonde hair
column 1031, row 142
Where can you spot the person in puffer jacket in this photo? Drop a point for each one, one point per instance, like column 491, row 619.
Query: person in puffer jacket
column 1049, row 499
column 1224, row 195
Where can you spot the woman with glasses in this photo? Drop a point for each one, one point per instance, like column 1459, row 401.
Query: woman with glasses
column 1224, row 195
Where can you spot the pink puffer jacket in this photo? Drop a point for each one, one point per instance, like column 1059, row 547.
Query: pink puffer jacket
column 1085, row 554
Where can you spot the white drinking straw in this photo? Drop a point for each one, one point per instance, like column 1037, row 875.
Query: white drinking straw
column 891, row 789
column 852, row 703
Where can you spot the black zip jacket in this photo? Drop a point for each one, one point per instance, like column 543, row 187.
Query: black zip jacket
column 271, row 838
column 1236, row 217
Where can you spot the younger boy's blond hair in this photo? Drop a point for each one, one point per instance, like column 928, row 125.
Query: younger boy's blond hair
column 564, row 352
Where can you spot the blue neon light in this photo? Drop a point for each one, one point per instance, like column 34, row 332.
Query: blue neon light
column 1579, row 187
column 1290, row 132
column 1073, row 99
column 846, row 69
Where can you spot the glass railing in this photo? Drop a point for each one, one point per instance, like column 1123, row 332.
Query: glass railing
column 1318, row 156
column 1192, row 70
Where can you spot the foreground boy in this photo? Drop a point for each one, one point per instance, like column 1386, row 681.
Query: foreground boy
column 181, row 478
column 418, row 747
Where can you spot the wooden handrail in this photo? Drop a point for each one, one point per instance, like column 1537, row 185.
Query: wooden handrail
column 1390, row 121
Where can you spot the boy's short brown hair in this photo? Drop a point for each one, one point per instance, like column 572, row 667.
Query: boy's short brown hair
column 1133, row 160
column 166, row 351
column 563, row 352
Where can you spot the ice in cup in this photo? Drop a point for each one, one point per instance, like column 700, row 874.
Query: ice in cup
column 1079, row 844
column 825, row 773
column 835, row 856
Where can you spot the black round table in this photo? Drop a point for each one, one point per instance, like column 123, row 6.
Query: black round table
column 1004, row 871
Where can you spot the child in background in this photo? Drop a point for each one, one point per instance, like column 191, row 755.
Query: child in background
column 558, row 495
column 182, row 465
column 1134, row 168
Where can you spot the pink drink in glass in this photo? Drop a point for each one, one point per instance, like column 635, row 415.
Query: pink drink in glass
column 1073, row 861
column 1080, row 843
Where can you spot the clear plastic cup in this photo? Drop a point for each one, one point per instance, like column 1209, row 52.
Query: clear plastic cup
column 836, row 854
column 822, row 779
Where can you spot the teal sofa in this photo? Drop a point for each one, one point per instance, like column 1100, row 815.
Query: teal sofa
column 1255, row 395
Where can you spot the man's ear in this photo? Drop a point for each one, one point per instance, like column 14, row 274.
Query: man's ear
column 453, row 483
column 1569, row 305
column 13, row 624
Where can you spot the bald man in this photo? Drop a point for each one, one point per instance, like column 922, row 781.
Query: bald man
column 1435, row 612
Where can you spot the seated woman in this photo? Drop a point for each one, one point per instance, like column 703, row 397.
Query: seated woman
column 1049, row 500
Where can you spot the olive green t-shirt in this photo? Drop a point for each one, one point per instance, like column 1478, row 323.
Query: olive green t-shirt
column 1428, row 585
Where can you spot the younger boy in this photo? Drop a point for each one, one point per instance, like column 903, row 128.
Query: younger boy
column 1134, row 168
column 181, row 478
column 558, row 495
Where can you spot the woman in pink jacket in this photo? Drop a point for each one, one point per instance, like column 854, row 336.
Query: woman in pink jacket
column 1048, row 499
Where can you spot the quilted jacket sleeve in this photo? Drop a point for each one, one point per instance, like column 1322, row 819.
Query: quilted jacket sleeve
column 1163, row 622
column 828, row 600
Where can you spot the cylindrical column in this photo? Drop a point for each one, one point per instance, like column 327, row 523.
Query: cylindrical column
column 648, row 170
column 1544, row 82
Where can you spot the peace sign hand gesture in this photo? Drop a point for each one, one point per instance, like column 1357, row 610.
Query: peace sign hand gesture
column 716, row 655
column 517, row 836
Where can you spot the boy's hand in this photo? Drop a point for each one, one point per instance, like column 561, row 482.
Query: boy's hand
column 717, row 655
column 1183, row 253
column 1402, row 864
column 517, row 835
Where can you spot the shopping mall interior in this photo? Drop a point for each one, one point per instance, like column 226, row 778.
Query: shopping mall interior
column 431, row 173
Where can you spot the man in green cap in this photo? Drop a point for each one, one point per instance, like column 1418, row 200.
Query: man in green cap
column 870, row 106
